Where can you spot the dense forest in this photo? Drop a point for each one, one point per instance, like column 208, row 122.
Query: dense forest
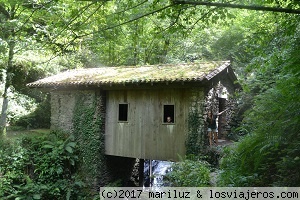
column 260, row 37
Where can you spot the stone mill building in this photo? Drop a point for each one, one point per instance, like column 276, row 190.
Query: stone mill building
column 130, row 105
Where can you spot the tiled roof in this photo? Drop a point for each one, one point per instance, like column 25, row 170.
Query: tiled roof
column 137, row 74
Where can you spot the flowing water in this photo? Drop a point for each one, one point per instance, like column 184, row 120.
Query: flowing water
column 159, row 169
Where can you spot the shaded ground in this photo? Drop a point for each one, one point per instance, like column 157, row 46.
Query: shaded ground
column 224, row 142
column 15, row 133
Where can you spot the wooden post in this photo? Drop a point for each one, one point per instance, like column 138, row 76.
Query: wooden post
column 141, row 172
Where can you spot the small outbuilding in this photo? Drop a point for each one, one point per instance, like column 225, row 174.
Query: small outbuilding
column 148, row 112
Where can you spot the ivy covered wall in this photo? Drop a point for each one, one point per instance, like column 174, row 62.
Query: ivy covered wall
column 196, row 134
column 202, row 101
column 82, row 113
column 88, row 129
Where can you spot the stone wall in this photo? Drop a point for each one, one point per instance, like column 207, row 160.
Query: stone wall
column 82, row 113
column 62, row 108
column 216, row 104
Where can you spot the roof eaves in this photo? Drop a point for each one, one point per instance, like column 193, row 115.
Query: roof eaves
column 216, row 71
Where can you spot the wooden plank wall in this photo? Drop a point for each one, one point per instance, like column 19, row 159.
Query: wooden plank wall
column 145, row 135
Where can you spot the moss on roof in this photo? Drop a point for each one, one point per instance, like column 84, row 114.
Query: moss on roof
column 134, row 74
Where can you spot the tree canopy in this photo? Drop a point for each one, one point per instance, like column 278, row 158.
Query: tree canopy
column 260, row 37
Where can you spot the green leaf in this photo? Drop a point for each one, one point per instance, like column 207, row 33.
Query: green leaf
column 48, row 146
column 69, row 149
column 36, row 196
column 72, row 144
column 72, row 162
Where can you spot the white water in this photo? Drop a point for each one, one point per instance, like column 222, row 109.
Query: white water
column 159, row 170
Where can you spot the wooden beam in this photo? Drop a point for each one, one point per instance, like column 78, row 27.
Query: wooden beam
column 240, row 6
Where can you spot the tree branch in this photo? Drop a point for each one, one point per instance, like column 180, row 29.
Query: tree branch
column 127, row 22
column 239, row 6
column 111, row 27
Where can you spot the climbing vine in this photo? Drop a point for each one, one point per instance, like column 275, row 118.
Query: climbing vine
column 196, row 137
column 88, row 132
column 196, row 143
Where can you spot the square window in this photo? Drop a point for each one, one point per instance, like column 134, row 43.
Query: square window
column 169, row 114
column 123, row 112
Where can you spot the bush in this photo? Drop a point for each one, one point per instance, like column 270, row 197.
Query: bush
column 40, row 167
column 40, row 118
column 269, row 154
column 189, row 173
column 231, row 173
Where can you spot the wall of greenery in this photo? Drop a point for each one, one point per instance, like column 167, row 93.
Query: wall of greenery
column 269, row 153
column 196, row 135
column 41, row 166
column 88, row 130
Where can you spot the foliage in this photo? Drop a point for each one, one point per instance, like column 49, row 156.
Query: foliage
column 230, row 175
column 195, row 140
column 189, row 173
column 30, row 28
column 150, row 32
column 39, row 118
column 269, row 155
column 212, row 155
column 196, row 135
column 40, row 167
column 156, row 34
column 88, row 133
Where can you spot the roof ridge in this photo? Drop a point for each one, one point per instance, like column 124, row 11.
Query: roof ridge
column 154, row 65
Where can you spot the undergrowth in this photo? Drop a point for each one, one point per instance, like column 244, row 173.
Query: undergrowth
column 40, row 167
column 189, row 173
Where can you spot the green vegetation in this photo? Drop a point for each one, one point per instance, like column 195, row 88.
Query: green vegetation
column 39, row 38
column 195, row 142
column 269, row 154
column 40, row 167
column 189, row 173
column 39, row 118
column 88, row 132
column 19, row 132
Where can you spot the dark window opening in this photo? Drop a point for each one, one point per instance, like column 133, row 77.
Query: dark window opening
column 123, row 112
column 169, row 114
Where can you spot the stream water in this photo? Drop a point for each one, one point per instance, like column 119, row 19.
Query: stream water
column 158, row 170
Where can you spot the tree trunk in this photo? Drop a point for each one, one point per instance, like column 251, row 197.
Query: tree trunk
column 165, row 50
column 4, row 114
column 136, row 43
column 3, row 118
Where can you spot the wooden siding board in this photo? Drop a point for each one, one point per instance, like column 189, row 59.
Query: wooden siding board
column 150, row 133
column 145, row 136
